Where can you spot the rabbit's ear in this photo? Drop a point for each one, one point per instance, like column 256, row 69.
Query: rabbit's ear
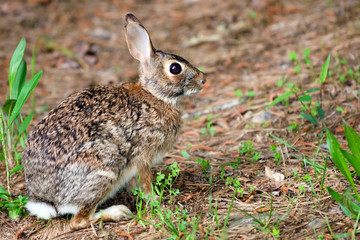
column 138, row 40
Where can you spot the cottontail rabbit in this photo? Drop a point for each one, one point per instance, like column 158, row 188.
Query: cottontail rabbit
column 97, row 140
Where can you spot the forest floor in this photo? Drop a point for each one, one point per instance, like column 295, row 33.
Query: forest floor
column 243, row 47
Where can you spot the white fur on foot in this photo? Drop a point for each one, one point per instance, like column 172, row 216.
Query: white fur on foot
column 114, row 213
column 41, row 210
column 68, row 208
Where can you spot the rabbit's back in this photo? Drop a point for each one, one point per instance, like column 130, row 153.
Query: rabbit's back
column 98, row 132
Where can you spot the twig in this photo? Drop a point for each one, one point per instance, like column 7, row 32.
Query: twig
column 124, row 234
column 140, row 231
column 22, row 230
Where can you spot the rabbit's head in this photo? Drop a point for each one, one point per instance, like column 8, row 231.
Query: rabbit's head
column 166, row 76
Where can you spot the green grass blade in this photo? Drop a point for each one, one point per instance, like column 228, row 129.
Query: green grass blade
column 16, row 169
column 19, row 81
column 324, row 70
column 25, row 123
column 16, row 61
column 353, row 140
column 24, row 94
column 280, row 98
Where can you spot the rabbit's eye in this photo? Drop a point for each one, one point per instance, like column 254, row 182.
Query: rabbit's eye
column 175, row 68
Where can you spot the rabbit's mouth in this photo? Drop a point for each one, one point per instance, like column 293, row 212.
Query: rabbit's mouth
column 194, row 85
column 191, row 91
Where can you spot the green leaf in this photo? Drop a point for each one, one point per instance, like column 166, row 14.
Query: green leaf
column 339, row 159
column 354, row 162
column 280, row 98
column 324, row 70
column 3, row 191
column 251, row 93
column 13, row 212
column 16, row 169
column 25, row 123
column 19, row 81
column 336, row 154
column 353, row 140
column 309, row 117
column 320, row 112
column 16, row 61
column 5, row 197
column 306, row 52
column 293, row 56
column 312, row 90
column 9, row 106
column 238, row 93
column 24, row 94
column 185, row 154
column 339, row 198
column 305, row 98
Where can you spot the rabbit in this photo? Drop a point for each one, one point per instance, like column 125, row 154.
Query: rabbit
column 95, row 141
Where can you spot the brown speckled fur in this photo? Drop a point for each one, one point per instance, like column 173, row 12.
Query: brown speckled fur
column 81, row 150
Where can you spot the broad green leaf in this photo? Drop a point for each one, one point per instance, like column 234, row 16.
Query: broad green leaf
column 336, row 154
column 9, row 106
column 280, row 98
column 320, row 112
column 353, row 140
column 5, row 197
column 19, row 81
column 339, row 159
column 324, row 70
column 3, row 191
column 309, row 117
column 338, row 197
column 25, row 123
column 354, row 162
column 312, row 90
column 24, row 94
column 16, row 169
column 305, row 98
column 13, row 212
column 16, row 61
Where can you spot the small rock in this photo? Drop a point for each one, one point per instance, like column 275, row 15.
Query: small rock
column 262, row 117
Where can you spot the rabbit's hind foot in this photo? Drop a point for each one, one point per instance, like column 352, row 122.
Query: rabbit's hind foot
column 114, row 213
column 41, row 209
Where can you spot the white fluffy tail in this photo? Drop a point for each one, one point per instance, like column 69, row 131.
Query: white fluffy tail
column 41, row 209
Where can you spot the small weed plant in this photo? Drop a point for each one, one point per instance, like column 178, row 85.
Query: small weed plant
column 174, row 222
column 13, row 126
column 277, row 154
column 247, row 150
column 310, row 109
column 209, row 130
